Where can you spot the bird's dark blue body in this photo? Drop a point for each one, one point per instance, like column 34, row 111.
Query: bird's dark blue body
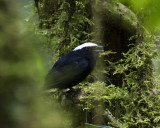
column 71, row 68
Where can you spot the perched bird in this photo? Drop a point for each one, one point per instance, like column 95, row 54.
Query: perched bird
column 73, row 67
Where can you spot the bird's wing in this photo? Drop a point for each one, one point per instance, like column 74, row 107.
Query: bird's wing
column 69, row 72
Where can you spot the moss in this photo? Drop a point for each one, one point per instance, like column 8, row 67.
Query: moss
column 134, row 105
column 66, row 23
column 130, row 100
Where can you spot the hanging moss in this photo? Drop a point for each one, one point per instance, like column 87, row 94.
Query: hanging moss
column 134, row 105
column 128, row 74
column 66, row 23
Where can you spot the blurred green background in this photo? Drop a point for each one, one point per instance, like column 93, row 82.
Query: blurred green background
column 22, row 72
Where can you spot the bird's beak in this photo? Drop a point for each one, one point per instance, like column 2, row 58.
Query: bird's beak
column 99, row 48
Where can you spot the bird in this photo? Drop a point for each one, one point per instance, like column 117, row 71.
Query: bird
column 73, row 67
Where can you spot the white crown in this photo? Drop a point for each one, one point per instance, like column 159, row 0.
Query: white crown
column 87, row 44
